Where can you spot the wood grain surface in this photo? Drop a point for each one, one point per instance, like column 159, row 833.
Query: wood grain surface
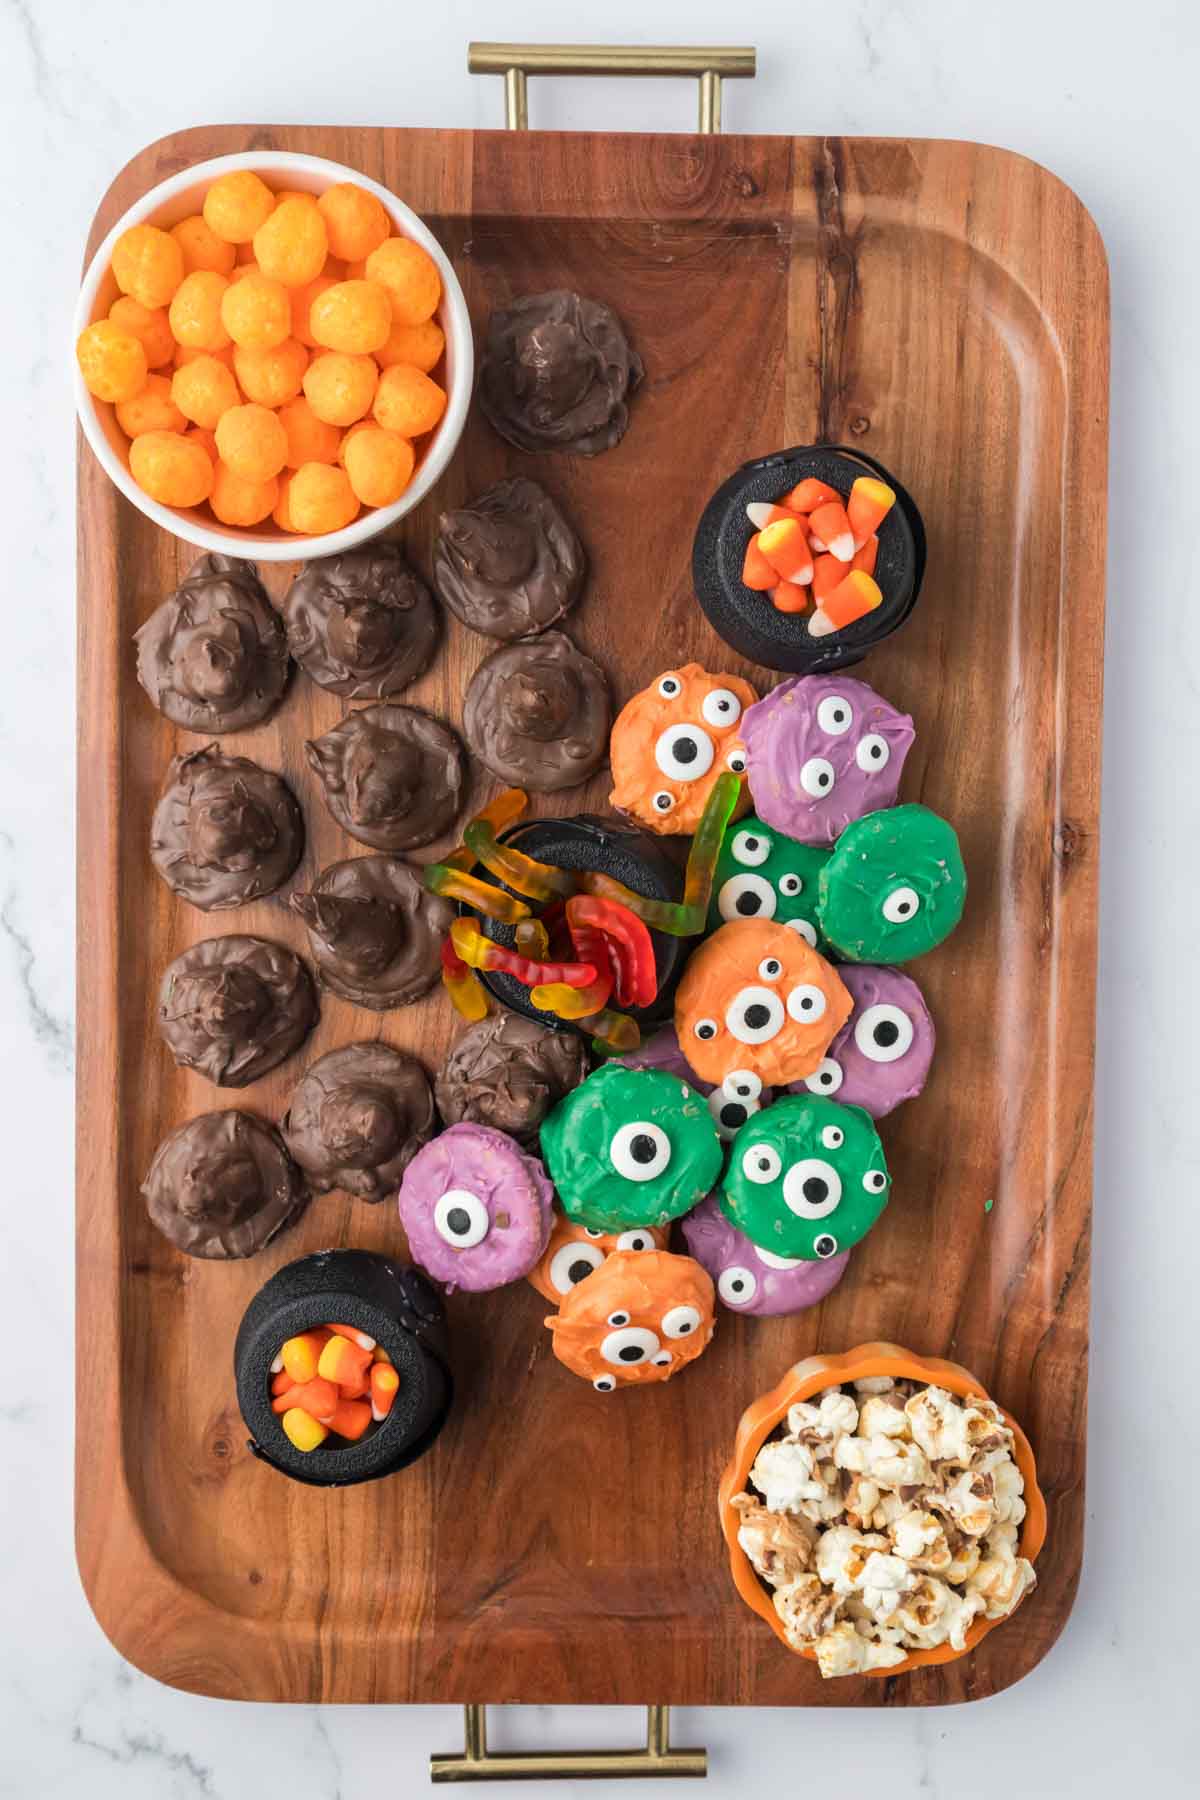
column 946, row 307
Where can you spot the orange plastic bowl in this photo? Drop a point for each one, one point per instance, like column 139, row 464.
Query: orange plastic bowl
column 800, row 1383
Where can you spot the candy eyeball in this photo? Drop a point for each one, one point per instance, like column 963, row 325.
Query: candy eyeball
column 477, row 1210
column 762, row 875
column 737, row 1099
column 671, row 742
column 604, row 1384
column 638, row 1240
column 817, row 777
column 742, row 1084
column 640, row 1318
column 750, row 848
column 573, row 1264
column 894, row 886
column 883, row 1053
column 733, row 1014
column 755, row 1281
column 721, row 707
column 822, row 751
column 630, row 1149
column 806, row 1179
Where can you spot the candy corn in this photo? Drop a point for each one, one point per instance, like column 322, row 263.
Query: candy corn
column 757, row 572
column 857, row 596
column 830, row 529
column 302, row 1354
column 351, row 1419
column 764, row 512
column 864, row 558
column 361, row 1338
column 384, row 1385
column 869, row 504
column 305, row 1432
column 810, row 493
column 828, row 573
column 343, row 1362
column 785, row 547
column 789, row 597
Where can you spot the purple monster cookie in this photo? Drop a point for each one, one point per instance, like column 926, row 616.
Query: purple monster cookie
column 730, row 1105
column 881, row 1056
column 476, row 1208
column 822, row 750
column 750, row 1280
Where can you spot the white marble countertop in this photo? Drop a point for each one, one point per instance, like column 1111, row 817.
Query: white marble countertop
column 1104, row 95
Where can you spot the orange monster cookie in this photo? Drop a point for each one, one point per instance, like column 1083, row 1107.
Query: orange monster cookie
column 577, row 1251
column 641, row 1317
column 670, row 743
column 756, row 997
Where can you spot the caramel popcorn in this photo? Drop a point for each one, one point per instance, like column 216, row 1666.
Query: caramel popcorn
column 888, row 1522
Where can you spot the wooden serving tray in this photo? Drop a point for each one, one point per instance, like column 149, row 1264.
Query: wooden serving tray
column 945, row 306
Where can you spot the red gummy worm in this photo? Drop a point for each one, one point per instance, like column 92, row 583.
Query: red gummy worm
column 627, row 941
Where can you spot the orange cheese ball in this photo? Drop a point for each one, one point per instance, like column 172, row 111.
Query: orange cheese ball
column 320, row 499
column 291, row 245
column 354, row 219
column 149, row 324
column 236, row 205
column 245, row 266
column 379, row 465
column 302, row 303
column 113, row 362
column 202, row 248
column 354, row 316
column 195, row 311
column 174, row 470
column 309, row 439
column 407, row 401
column 148, row 264
column 252, row 443
column 271, row 377
column 340, row 388
column 282, row 513
column 420, row 346
column 203, row 390
column 256, row 311
column 150, row 410
column 363, row 425
column 237, row 501
column 356, row 270
column 184, row 356
column 411, row 278
column 196, row 434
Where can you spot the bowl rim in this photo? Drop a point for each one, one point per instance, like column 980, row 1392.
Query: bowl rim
column 829, row 1370
column 232, row 540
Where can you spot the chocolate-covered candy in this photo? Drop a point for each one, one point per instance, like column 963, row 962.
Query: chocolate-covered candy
column 476, row 1209
column 375, row 931
column 822, row 750
column 222, row 1186
column 806, row 1178
column 213, row 657
column 393, row 776
column 752, row 1280
column 881, row 1056
column 509, row 564
column 225, row 830
column 557, row 372
column 894, row 887
column 361, row 624
column 358, row 1118
column 507, row 1072
column 234, row 1007
column 537, row 714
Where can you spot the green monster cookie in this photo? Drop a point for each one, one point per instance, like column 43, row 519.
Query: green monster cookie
column 894, row 886
column 761, row 874
column 806, row 1178
column 631, row 1147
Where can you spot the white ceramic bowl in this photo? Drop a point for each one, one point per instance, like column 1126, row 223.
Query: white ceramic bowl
column 176, row 199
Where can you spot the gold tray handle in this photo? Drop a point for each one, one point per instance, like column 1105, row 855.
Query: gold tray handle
column 476, row 1763
column 709, row 64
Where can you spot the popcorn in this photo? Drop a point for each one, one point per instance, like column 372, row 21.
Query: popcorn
column 888, row 1523
column 779, row 1545
column 842, row 1652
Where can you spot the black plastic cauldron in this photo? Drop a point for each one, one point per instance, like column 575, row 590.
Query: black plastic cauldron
column 747, row 620
column 394, row 1305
